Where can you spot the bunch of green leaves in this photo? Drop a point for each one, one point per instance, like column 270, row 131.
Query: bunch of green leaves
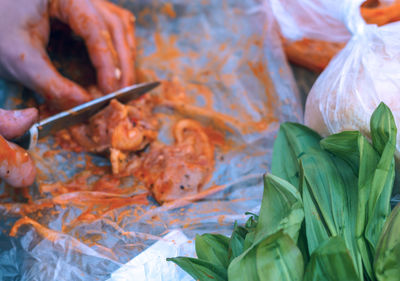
column 325, row 213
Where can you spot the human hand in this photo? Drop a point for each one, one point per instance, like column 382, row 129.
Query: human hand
column 16, row 166
column 108, row 32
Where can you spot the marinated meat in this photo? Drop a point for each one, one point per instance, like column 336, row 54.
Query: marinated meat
column 124, row 127
column 172, row 171
column 180, row 169
column 169, row 171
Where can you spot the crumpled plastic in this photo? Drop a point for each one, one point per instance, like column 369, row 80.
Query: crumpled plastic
column 227, row 58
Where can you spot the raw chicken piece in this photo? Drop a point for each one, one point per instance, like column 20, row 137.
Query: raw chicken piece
column 174, row 171
column 181, row 169
column 118, row 126
column 169, row 171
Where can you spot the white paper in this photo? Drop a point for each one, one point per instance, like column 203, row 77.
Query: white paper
column 151, row 264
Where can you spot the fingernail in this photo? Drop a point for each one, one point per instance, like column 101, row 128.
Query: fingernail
column 118, row 73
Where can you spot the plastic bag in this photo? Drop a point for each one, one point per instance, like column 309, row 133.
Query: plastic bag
column 313, row 19
column 362, row 75
column 359, row 77
column 226, row 56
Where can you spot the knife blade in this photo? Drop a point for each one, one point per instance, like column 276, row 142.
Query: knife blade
column 79, row 114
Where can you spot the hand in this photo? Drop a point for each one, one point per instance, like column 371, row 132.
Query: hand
column 16, row 166
column 108, row 32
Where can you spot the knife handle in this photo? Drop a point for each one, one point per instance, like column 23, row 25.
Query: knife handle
column 29, row 139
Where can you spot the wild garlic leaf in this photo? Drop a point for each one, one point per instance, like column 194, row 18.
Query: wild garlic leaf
column 383, row 134
column 291, row 142
column 213, row 248
column 354, row 148
column 330, row 198
column 331, row 262
column 201, row 270
column 281, row 208
column 236, row 242
column 388, row 251
column 275, row 257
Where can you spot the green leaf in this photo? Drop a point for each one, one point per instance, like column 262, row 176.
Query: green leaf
column 345, row 146
column 244, row 267
column 355, row 149
column 316, row 229
column 291, row 142
column 236, row 242
column 278, row 258
column 383, row 134
column 330, row 201
column 213, row 248
column 331, row 262
column 388, row 251
column 281, row 208
column 302, row 242
column 200, row 269
column 274, row 258
column 252, row 221
column 368, row 159
column 249, row 240
column 383, row 128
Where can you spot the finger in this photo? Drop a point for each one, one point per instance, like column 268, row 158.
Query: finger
column 120, row 23
column 14, row 123
column 16, row 166
column 86, row 22
column 28, row 63
column 60, row 92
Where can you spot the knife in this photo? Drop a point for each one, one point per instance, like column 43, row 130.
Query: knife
column 79, row 114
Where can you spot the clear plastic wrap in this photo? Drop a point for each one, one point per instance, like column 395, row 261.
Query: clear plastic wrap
column 227, row 58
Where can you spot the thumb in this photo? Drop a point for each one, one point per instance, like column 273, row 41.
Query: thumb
column 13, row 123
column 16, row 166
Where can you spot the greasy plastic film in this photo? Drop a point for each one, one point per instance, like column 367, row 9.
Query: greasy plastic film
column 224, row 63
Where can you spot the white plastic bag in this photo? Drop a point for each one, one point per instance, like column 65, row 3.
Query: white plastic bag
column 317, row 19
column 364, row 73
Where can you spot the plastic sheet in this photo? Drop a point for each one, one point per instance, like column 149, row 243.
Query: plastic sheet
column 227, row 59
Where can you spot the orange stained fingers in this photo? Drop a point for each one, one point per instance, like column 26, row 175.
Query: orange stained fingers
column 120, row 23
column 84, row 19
column 16, row 166
column 38, row 73
column 14, row 123
column 128, row 19
column 60, row 92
